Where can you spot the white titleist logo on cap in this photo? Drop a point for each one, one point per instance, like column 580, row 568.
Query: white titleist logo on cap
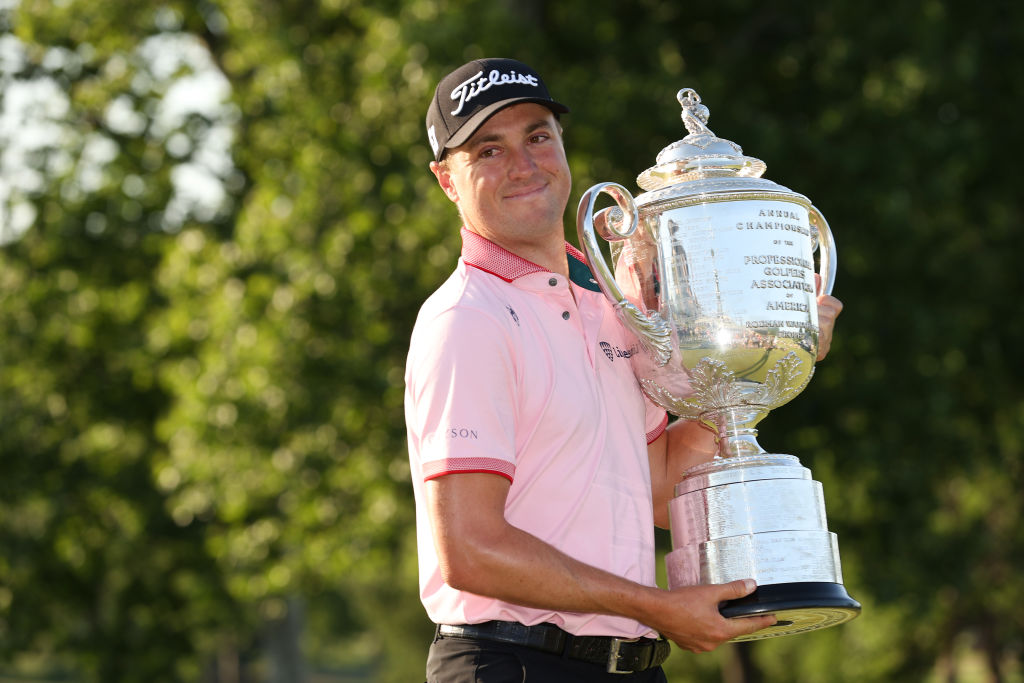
column 472, row 87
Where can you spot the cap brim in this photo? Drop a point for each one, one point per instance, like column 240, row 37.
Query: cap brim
column 478, row 119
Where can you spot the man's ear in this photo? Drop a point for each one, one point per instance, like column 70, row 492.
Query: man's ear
column 444, row 179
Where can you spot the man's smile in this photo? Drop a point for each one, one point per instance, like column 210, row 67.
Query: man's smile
column 525, row 192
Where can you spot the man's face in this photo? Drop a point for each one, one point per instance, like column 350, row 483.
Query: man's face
column 511, row 179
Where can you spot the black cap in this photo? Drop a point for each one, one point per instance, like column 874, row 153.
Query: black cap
column 474, row 92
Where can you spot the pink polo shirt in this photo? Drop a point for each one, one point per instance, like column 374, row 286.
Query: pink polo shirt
column 508, row 374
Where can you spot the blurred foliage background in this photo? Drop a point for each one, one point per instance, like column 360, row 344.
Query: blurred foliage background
column 216, row 227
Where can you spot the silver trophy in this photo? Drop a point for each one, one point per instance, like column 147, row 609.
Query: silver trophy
column 714, row 271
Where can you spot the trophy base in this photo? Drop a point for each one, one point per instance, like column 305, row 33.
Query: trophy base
column 799, row 607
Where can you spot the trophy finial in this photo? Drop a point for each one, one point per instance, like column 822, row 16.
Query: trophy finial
column 695, row 115
column 701, row 154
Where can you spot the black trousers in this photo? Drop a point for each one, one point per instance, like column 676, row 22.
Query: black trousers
column 469, row 660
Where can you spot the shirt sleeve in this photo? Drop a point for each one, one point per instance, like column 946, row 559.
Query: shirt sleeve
column 656, row 420
column 460, row 396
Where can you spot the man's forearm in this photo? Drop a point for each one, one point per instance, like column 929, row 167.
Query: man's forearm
column 519, row 568
column 481, row 553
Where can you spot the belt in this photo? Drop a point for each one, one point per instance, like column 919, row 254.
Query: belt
column 617, row 655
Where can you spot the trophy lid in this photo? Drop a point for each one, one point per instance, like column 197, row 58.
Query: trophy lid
column 700, row 154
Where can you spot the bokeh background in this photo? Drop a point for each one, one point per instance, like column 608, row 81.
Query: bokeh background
column 217, row 225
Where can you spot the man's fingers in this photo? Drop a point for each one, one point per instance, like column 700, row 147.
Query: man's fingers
column 738, row 589
column 741, row 626
column 829, row 305
column 746, row 625
column 829, row 309
column 703, row 627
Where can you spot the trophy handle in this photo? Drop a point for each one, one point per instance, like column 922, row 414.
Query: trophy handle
column 827, row 247
column 609, row 223
column 615, row 224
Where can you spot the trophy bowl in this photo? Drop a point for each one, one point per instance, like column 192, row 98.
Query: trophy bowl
column 714, row 272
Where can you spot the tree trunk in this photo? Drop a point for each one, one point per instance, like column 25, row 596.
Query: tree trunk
column 740, row 666
column 284, row 649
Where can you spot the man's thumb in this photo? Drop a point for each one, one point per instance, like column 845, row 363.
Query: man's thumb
column 738, row 588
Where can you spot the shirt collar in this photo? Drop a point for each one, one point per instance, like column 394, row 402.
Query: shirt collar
column 484, row 254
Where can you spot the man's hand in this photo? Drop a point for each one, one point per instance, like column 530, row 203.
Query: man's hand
column 693, row 622
column 829, row 309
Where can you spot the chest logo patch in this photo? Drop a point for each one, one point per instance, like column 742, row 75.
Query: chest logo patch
column 511, row 312
column 614, row 352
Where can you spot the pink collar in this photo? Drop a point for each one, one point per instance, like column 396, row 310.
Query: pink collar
column 484, row 254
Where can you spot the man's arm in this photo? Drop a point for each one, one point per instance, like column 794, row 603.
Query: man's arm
column 685, row 444
column 480, row 552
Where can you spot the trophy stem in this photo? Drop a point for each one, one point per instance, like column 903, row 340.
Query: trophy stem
column 734, row 430
column 742, row 442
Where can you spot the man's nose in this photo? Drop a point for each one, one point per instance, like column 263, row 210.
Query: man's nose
column 522, row 162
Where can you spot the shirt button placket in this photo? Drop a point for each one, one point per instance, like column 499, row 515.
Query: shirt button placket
column 554, row 283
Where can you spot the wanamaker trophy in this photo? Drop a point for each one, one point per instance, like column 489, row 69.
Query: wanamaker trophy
column 714, row 271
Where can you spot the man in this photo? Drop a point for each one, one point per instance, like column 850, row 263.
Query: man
column 539, row 467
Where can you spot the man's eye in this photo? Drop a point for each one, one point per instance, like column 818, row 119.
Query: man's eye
column 539, row 137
